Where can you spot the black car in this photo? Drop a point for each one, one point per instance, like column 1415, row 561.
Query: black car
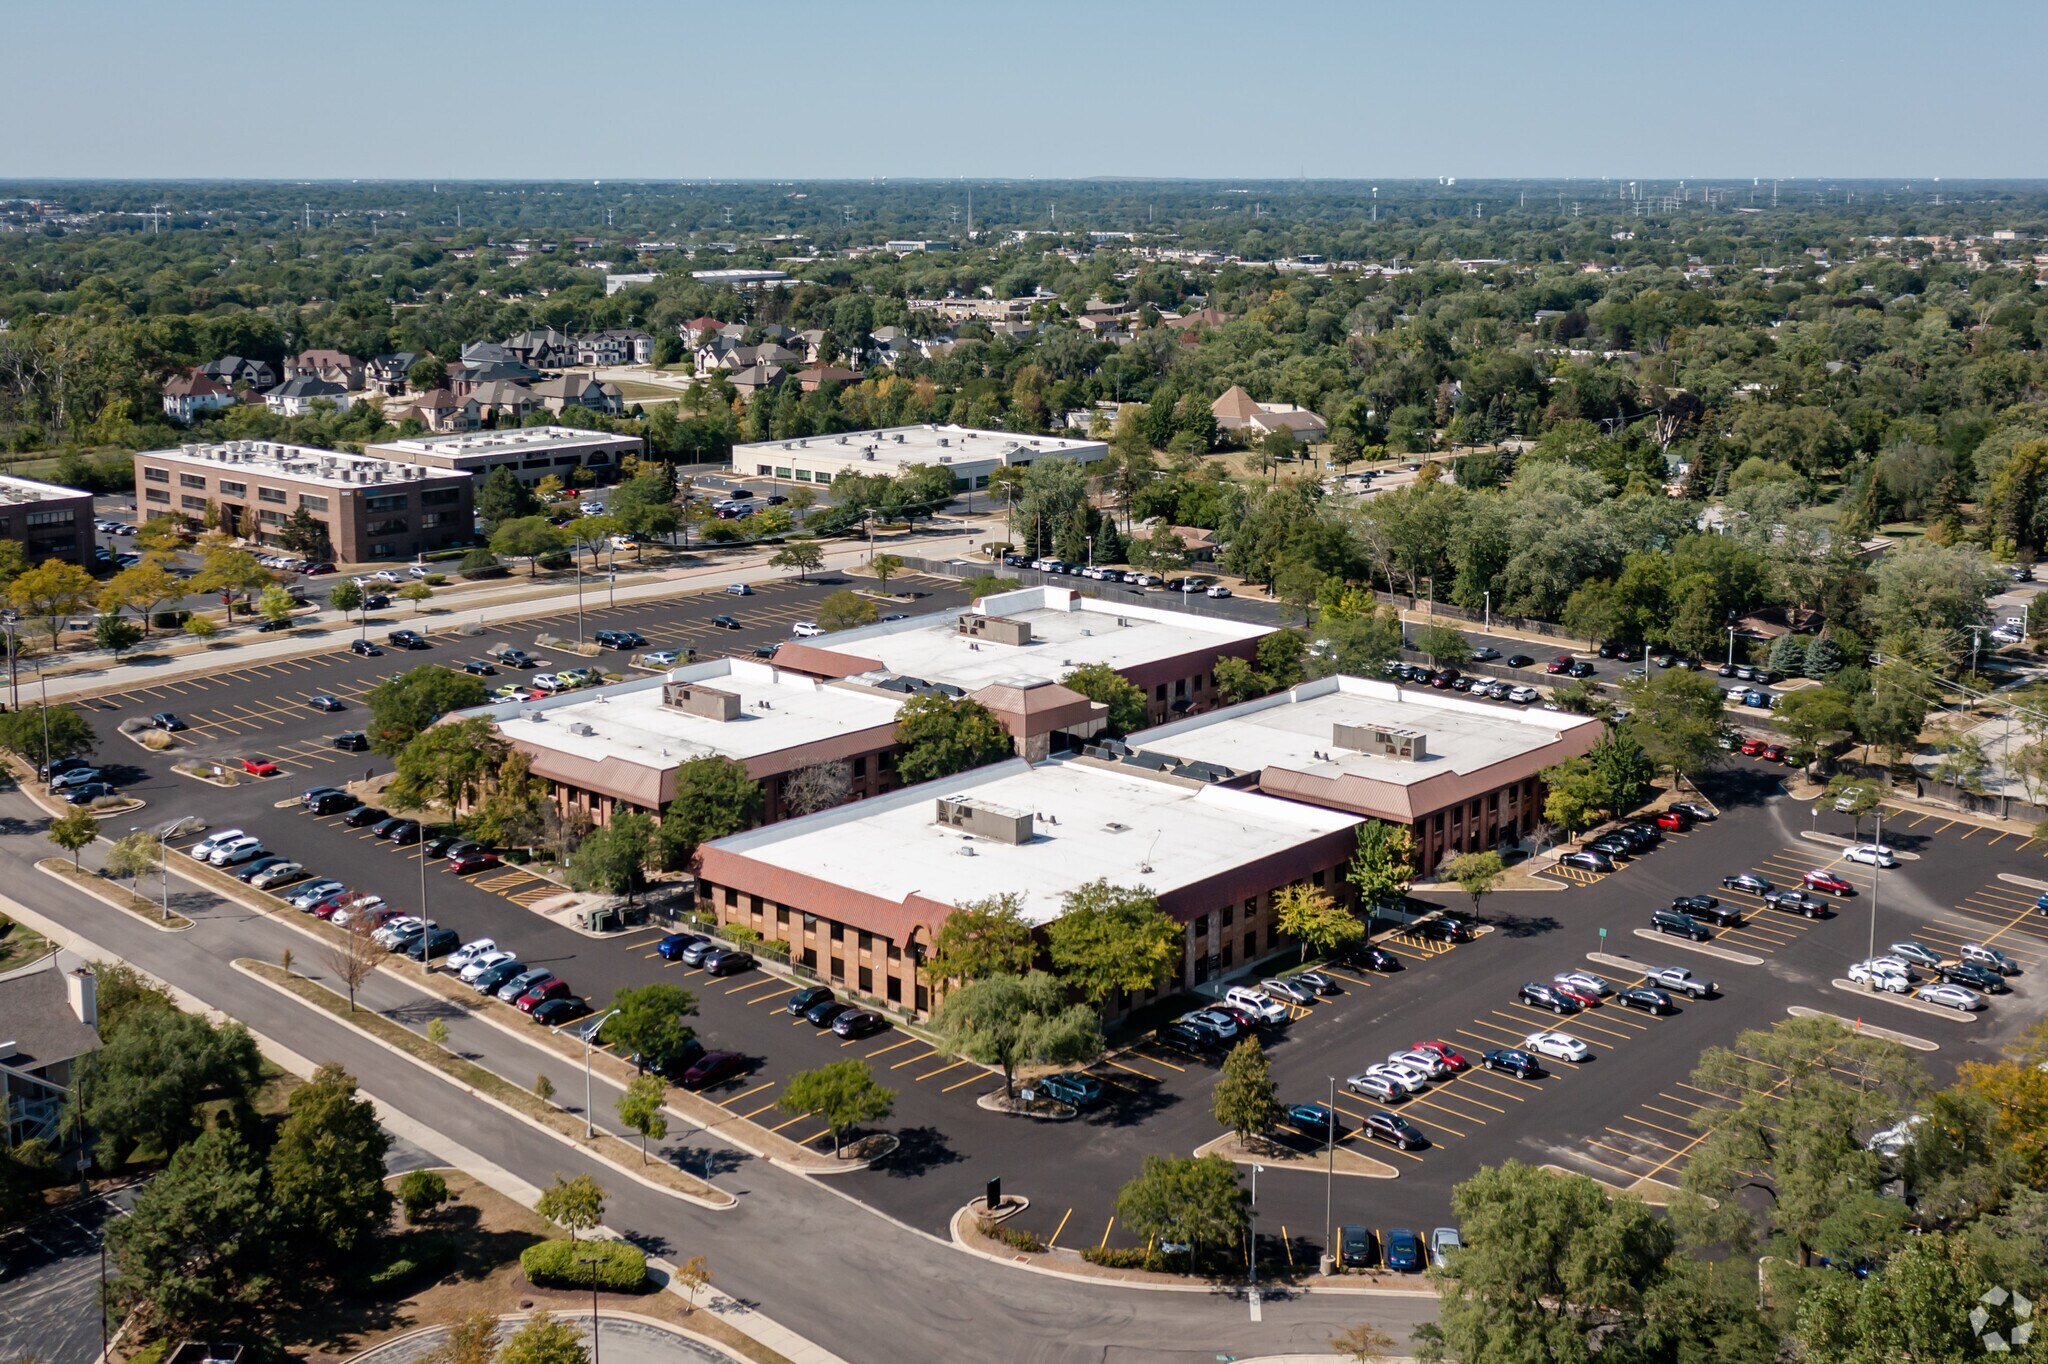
column 1376, row 959
column 725, row 622
column 1443, row 928
column 1694, row 810
column 516, row 658
column 402, row 832
column 803, row 1001
column 375, row 601
column 821, row 1014
column 166, row 720
column 1694, row 904
column 489, row 981
column 1707, row 907
column 365, row 648
column 1646, row 998
column 1511, row 1061
column 1357, row 1247
column 1644, row 835
column 1620, row 849
column 1795, row 902
column 87, row 792
column 383, row 828
column 363, row 816
column 1538, row 995
column 1976, row 977
column 1747, row 881
column 858, row 1023
column 674, row 945
column 555, row 1012
column 1185, row 1037
column 1395, row 1131
column 439, row 943
column 478, row 668
column 1518, row 660
column 405, row 639
column 612, row 639
column 58, row 768
column 330, row 802
column 325, row 703
column 1678, row 921
column 351, row 741
column 441, row 845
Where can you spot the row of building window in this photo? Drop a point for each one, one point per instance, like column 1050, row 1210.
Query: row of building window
column 62, row 516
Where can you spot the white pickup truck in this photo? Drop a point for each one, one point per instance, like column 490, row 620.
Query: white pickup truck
column 1678, row 978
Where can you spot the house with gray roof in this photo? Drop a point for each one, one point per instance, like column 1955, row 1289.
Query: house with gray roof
column 49, row 1019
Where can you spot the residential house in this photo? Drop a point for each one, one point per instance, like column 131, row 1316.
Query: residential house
column 542, row 349
column 811, row 343
column 471, row 376
column 488, row 353
column 441, row 411
column 51, row 1010
column 1237, row 410
column 234, row 369
column 386, row 373
column 503, row 401
column 295, row 397
column 817, row 376
column 187, row 395
column 756, row 377
column 1200, row 317
column 333, row 366
column 711, row 353
column 614, row 347
column 579, row 390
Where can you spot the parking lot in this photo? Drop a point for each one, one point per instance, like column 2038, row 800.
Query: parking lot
column 1621, row 1116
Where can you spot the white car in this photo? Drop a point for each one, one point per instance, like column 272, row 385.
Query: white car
column 355, row 907
column 1212, row 1020
column 1872, row 854
column 806, row 629
column 1882, row 975
column 1559, row 1046
column 385, row 575
column 393, row 929
column 1893, row 1141
column 489, row 961
column 1400, row 1077
column 1374, row 1087
column 203, row 849
column 1522, row 696
column 1587, row 981
column 622, row 542
column 1950, row 997
column 1430, row 1064
column 416, row 571
column 469, row 952
column 1262, row 1007
column 546, row 682
column 660, row 658
column 235, row 850
column 1218, row 590
column 592, row 508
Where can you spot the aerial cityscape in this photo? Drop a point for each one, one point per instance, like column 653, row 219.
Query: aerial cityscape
column 1156, row 724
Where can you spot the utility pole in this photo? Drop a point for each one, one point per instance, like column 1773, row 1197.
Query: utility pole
column 1330, row 1184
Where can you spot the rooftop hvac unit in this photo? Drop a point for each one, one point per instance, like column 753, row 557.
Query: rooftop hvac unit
column 582, row 730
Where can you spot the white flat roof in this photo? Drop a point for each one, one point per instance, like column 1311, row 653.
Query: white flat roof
column 779, row 710
column 17, row 492
column 1067, row 631
column 480, row 443
column 299, row 463
column 1124, row 827
column 1294, row 730
column 897, row 447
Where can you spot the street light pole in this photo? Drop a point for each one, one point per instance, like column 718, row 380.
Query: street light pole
column 1254, row 1244
column 427, row 941
column 590, row 1033
column 1489, row 609
column 593, row 1262
column 1330, row 1178
column 1874, row 870
column 1731, row 646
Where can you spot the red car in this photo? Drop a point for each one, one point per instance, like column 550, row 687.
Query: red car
column 553, row 988
column 1673, row 822
column 1828, row 882
column 1773, row 753
column 1585, row 999
column 472, row 859
column 712, row 1067
column 1444, row 1052
column 259, row 767
column 1558, row 664
column 1752, row 747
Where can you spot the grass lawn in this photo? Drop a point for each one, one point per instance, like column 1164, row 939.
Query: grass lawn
column 634, row 392
column 20, row 944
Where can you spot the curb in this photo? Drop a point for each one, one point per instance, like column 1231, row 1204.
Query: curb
column 1858, row 1026
column 1704, row 949
column 156, row 924
column 1905, row 1002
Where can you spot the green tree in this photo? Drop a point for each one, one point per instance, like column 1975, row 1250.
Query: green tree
column 420, row 1192
column 1623, row 770
column 418, row 593
column 200, row 627
column 1918, row 1306
column 448, row 765
column 141, row 588
column 70, row 734
column 1443, row 643
column 648, row 1023
column 276, row 604
column 531, row 538
column 1012, row 1021
column 1816, row 719
column 1476, row 874
column 1245, row 1099
column 228, row 571
column 1185, row 1201
column 1574, row 794
column 1100, row 682
column 984, row 938
column 575, row 1205
column 640, row 1108
column 405, row 706
column 805, row 556
column 1312, row 917
column 1237, row 680
column 345, row 597
column 427, row 374
column 201, row 1238
column 885, row 567
column 844, row 1094
column 116, row 634
column 544, row 1340
column 306, row 535
column 1110, row 940
column 503, row 499
column 1553, row 1268
column 1383, row 865
column 715, row 796
column 846, row 610
column 145, row 1085
column 327, row 1168
column 940, row 735
column 1676, row 719
column 615, row 858
column 51, row 593
column 134, row 854
column 74, row 830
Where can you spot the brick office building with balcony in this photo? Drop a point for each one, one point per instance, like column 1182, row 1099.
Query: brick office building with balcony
column 372, row 509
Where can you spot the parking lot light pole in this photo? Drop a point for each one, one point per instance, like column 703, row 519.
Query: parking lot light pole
column 1330, row 1178
column 427, row 941
column 590, row 1033
column 1731, row 646
column 1874, row 870
column 1253, row 1241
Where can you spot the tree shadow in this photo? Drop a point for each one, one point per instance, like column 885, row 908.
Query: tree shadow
column 704, row 1162
column 1137, row 1103
column 1524, row 925
column 919, row 1151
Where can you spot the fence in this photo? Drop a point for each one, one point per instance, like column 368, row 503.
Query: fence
column 1520, row 624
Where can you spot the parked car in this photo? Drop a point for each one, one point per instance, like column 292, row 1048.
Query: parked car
column 1950, row 997
column 437, row 941
column 1449, row 1055
column 1444, row 1242
column 406, row 639
column 1517, row 661
column 671, row 948
column 476, row 667
column 1645, row 997
column 166, row 720
column 1747, row 881
column 1976, row 977
column 713, row 1067
column 822, row 1012
column 463, row 860
column 236, row 851
column 479, row 966
column 1559, row 1046
column 1394, row 1130
column 552, row 988
column 725, row 623
column 351, row 741
column 306, row 896
column 324, row 702
column 1917, row 954
column 1538, row 995
column 1404, row 1251
column 1679, row 979
column 1889, row 976
column 1827, row 883
column 1261, row 1007
column 1693, row 809
column 1443, row 928
column 1375, row 958
column 1357, row 1247
column 1795, row 902
column 77, row 776
column 858, row 1023
column 1512, row 1061
column 806, row 629
column 726, row 961
column 1991, row 957
column 1288, row 991
column 1674, row 821
column 51, row 771
column 1374, row 1087
column 88, row 793
column 521, row 983
column 495, row 977
column 258, row 766
column 561, row 1010
column 1587, row 859
column 1679, row 922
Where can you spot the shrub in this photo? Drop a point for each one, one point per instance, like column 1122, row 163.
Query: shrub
column 556, row 1264
column 170, row 620
column 1131, row 1257
column 1016, row 1238
column 740, row 933
column 414, row 1261
column 481, row 563
column 420, row 1192
column 435, row 580
column 152, row 1353
column 556, row 560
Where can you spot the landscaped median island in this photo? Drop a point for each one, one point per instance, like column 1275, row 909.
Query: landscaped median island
column 485, row 1082
column 113, row 893
column 1345, row 1160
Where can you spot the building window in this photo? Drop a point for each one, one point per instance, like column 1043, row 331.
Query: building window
column 429, row 520
column 228, row 489
column 393, row 525
column 860, row 767
column 893, row 988
column 312, row 502
column 270, row 518
column 838, row 969
column 50, row 518
column 732, row 897
column 190, row 503
column 866, row 944
column 782, row 473
column 384, row 550
column 540, row 462
column 1251, row 944
column 156, row 475
column 156, row 495
column 440, row 497
column 867, row 980
column 191, row 480
column 782, row 914
column 1251, row 907
column 1202, row 927
column 1229, row 915
column 838, row 932
column 271, row 495
column 1160, row 694
column 804, row 476
column 386, row 502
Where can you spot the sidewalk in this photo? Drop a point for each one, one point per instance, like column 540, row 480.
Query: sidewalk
column 514, row 602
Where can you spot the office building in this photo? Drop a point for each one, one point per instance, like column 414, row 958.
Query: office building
column 971, row 455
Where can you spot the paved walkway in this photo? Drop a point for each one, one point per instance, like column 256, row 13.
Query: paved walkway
column 622, row 1340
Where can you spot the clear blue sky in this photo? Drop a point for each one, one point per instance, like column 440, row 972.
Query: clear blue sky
column 987, row 88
